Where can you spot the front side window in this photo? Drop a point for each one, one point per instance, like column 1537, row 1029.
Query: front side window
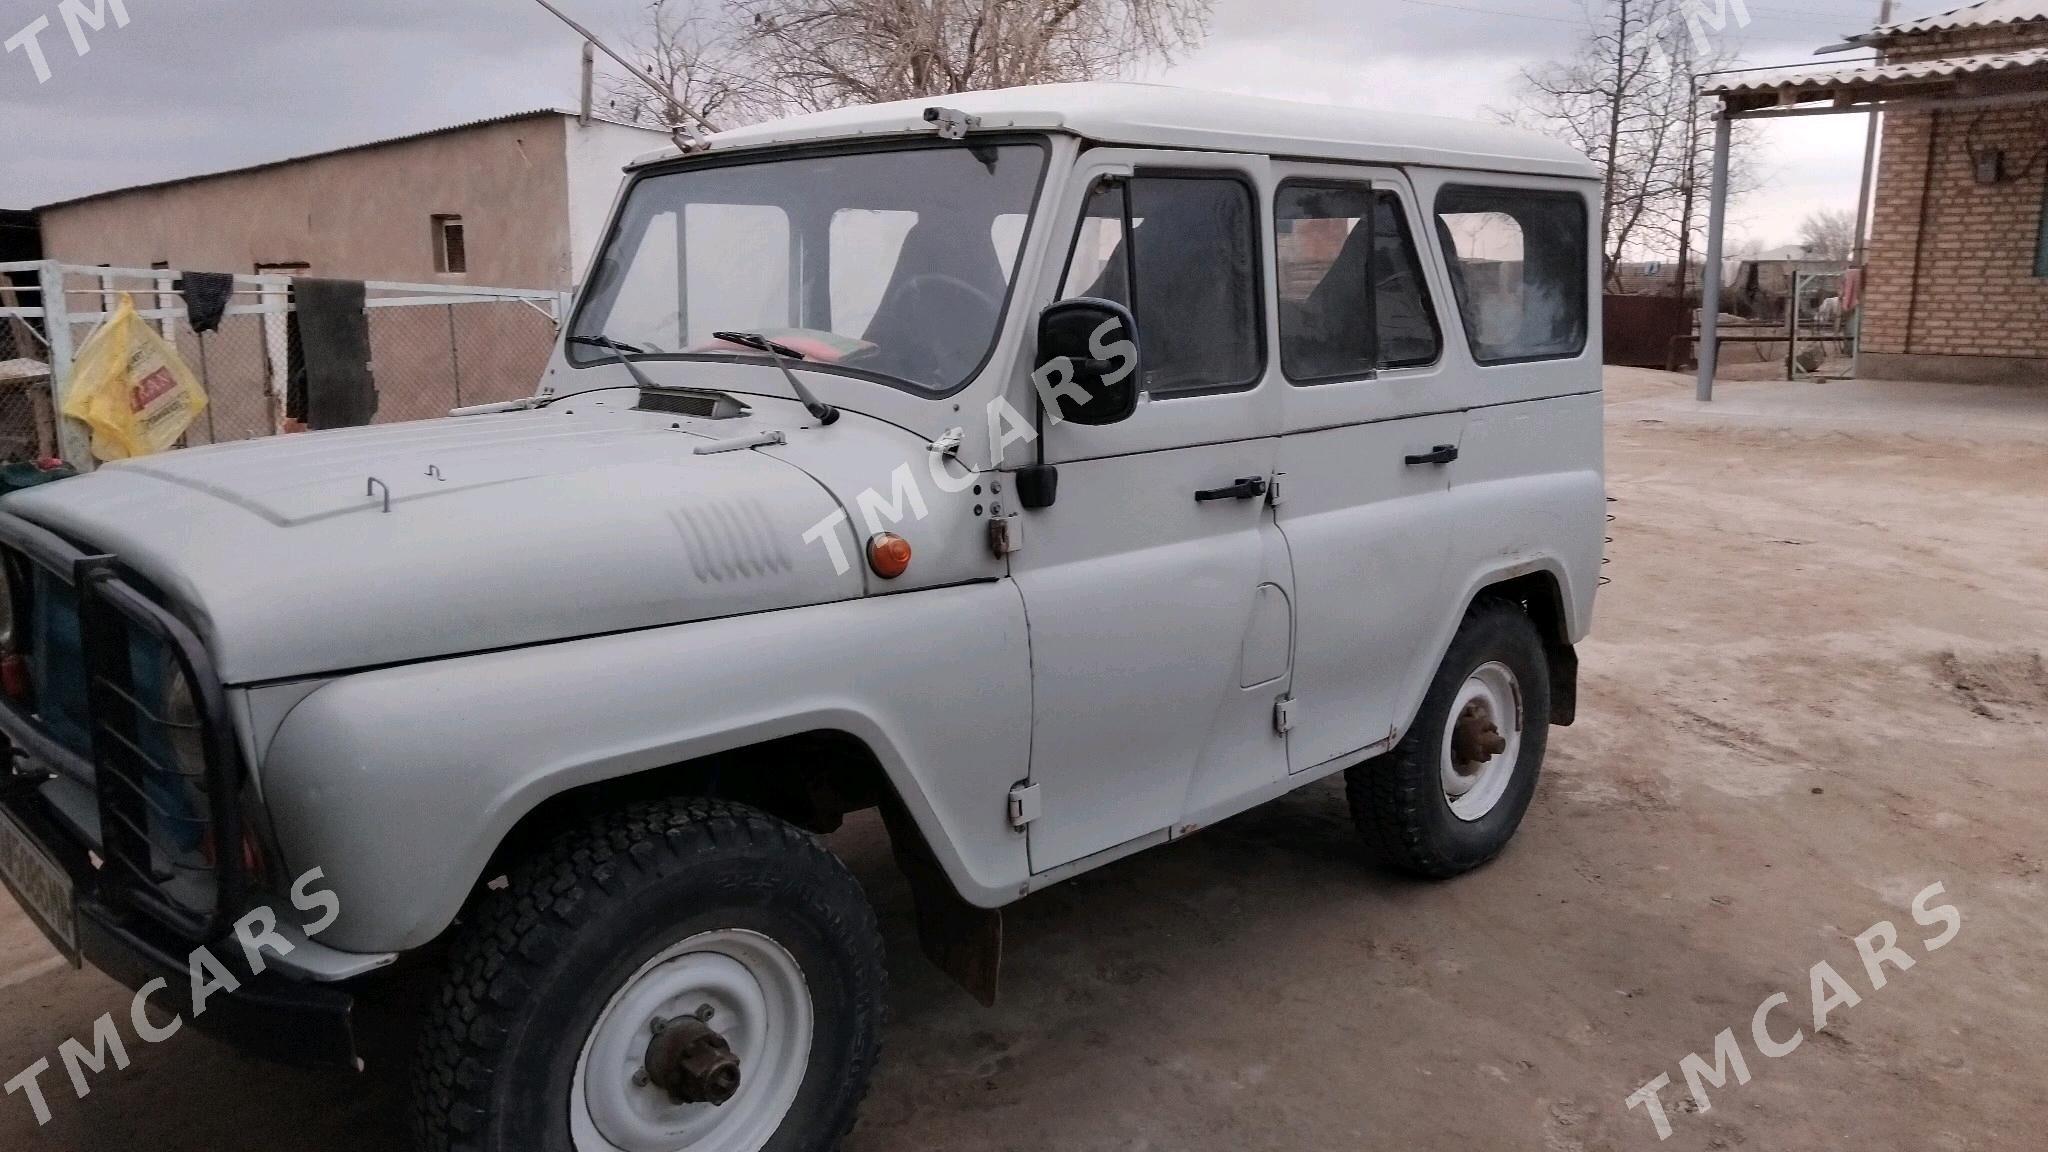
column 1352, row 296
column 895, row 262
column 1518, row 267
column 1182, row 253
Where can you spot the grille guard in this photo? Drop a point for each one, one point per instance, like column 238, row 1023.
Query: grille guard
column 111, row 610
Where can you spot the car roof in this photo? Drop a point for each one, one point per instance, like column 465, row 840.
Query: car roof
column 1159, row 116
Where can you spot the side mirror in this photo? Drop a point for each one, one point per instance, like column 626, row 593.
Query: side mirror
column 1088, row 361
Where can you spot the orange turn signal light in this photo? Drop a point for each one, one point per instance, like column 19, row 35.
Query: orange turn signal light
column 888, row 555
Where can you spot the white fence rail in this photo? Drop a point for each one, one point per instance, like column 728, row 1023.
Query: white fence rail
column 433, row 347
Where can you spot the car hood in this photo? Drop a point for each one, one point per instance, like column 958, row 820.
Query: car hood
column 300, row 555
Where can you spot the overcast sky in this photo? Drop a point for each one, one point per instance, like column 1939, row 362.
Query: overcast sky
column 192, row 86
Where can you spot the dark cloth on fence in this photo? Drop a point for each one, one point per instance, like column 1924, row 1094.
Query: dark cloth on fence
column 206, row 298
column 330, row 382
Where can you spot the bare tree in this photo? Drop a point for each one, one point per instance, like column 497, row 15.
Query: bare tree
column 694, row 58
column 1829, row 234
column 1627, row 100
column 729, row 61
column 816, row 54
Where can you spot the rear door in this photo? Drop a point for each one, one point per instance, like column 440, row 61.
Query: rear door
column 1370, row 429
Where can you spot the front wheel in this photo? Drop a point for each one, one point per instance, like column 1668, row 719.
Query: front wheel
column 1450, row 795
column 688, row 976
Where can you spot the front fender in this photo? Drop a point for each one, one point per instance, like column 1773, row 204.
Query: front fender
column 401, row 783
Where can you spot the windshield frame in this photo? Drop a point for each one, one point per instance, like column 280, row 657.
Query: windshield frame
column 784, row 152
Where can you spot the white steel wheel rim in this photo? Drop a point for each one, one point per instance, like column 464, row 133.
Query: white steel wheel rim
column 1474, row 786
column 759, row 1002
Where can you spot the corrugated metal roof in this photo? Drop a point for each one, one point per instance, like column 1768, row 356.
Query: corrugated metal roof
column 1804, row 76
column 300, row 159
column 1983, row 14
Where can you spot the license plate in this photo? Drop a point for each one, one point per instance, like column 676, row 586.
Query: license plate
column 41, row 886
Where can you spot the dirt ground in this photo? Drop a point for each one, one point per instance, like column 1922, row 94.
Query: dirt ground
column 1815, row 687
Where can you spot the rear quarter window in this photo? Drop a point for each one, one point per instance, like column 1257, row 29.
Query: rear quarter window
column 1517, row 260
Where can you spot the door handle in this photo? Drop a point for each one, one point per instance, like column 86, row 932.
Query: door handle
column 1250, row 488
column 1441, row 454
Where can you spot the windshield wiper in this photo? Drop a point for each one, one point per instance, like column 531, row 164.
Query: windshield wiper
column 607, row 342
column 823, row 412
column 620, row 353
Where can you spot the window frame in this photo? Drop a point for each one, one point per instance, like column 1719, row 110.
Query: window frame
column 444, row 262
column 1375, row 190
column 1261, row 310
column 1578, row 201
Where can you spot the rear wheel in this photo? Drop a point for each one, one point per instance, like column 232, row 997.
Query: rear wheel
column 690, row 976
column 1450, row 795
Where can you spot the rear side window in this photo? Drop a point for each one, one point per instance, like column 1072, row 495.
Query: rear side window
column 1352, row 297
column 1518, row 266
column 1182, row 253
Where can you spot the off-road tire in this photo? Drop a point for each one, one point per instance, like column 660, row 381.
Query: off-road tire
column 1397, row 800
column 537, row 961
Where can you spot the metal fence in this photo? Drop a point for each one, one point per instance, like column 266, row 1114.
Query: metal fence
column 433, row 347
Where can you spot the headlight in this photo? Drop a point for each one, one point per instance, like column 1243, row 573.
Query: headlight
column 14, row 680
column 181, row 722
column 179, row 807
column 6, row 606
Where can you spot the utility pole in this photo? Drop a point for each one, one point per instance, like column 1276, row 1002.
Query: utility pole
column 676, row 109
column 1870, row 137
column 589, row 82
column 1614, row 110
column 1689, row 183
column 1863, row 206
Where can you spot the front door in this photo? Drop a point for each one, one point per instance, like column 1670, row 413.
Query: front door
column 1157, row 587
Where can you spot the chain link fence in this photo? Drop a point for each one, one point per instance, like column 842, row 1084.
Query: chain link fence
column 433, row 347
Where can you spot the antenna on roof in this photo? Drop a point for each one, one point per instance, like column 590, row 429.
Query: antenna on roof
column 686, row 139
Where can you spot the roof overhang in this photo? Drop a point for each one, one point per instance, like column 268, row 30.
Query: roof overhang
column 1959, row 81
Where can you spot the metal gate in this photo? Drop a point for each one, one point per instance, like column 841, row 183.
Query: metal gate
column 433, row 347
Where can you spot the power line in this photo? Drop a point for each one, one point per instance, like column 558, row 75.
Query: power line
column 1495, row 12
column 1819, row 18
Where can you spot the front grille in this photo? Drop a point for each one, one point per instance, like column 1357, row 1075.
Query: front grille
column 123, row 698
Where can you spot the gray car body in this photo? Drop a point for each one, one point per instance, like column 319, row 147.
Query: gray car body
column 430, row 630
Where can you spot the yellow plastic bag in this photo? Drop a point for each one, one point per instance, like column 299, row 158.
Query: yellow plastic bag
column 131, row 388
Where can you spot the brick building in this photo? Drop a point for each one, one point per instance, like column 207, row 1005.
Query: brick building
column 1956, row 286
column 1955, row 276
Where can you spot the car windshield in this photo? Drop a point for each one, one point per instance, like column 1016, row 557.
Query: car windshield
column 894, row 262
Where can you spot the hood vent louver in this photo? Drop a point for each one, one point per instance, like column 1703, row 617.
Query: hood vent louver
column 682, row 402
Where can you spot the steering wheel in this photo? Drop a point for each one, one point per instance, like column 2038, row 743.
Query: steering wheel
column 918, row 280
column 924, row 358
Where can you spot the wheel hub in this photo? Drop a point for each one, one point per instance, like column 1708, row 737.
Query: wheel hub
column 1482, row 742
column 1475, row 739
column 692, row 1063
column 704, row 1049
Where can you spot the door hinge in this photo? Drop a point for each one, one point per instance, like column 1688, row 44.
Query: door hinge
column 1026, row 804
column 1283, row 715
column 1276, row 488
column 1005, row 534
